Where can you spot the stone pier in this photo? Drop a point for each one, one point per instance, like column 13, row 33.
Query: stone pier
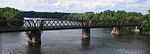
column 34, row 37
column 115, row 31
column 136, row 30
column 86, row 33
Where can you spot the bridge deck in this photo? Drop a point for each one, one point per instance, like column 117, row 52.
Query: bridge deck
column 29, row 25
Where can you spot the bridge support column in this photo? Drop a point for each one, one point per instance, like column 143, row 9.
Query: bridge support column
column 136, row 30
column 86, row 33
column 115, row 31
column 34, row 37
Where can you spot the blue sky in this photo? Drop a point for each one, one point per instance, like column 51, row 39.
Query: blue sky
column 77, row 5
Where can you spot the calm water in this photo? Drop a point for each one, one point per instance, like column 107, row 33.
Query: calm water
column 70, row 42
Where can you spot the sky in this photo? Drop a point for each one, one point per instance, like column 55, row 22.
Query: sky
column 72, row 6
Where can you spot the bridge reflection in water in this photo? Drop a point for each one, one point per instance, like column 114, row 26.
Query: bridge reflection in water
column 85, row 43
column 35, row 27
column 37, row 48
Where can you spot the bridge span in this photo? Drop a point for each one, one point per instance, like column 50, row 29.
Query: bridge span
column 34, row 28
column 30, row 25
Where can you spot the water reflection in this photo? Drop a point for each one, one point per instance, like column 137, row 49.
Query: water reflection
column 147, row 42
column 115, row 36
column 34, row 49
column 70, row 42
column 85, row 42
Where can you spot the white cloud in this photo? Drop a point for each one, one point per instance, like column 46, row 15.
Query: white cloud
column 24, row 4
column 75, row 5
column 88, row 4
column 145, row 4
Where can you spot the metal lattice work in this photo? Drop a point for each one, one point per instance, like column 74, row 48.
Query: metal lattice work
column 29, row 25
column 61, row 24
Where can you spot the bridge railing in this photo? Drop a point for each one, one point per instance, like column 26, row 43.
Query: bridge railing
column 62, row 24
column 27, row 25
column 114, row 23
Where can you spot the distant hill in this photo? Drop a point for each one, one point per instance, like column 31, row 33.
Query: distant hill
column 34, row 14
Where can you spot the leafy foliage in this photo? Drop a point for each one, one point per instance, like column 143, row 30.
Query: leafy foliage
column 10, row 14
column 146, row 23
column 14, row 14
column 34, row 14
column 106, row 15
column 114, row 15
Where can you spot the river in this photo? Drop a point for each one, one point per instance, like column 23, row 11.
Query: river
column 70, row 42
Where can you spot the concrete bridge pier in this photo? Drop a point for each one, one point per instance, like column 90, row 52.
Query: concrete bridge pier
column 86, row 33
column 34, row 37
column 115, row 31
column 136, row 30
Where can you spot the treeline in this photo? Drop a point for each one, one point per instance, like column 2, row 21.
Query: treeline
column 146, row 23
column 114, row 15
column 14, row 14
column 10, row 14
column 106, row 15
column 34, row 14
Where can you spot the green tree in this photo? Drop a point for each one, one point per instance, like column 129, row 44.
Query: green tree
column 121, row 15
column 89, row 15
column 108, row 15
column 146, row 23
column 134, row 15
column 146, row 17
column 10, row 14
column 97, row 16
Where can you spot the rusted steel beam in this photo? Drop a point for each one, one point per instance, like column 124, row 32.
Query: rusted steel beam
column 29, row 25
